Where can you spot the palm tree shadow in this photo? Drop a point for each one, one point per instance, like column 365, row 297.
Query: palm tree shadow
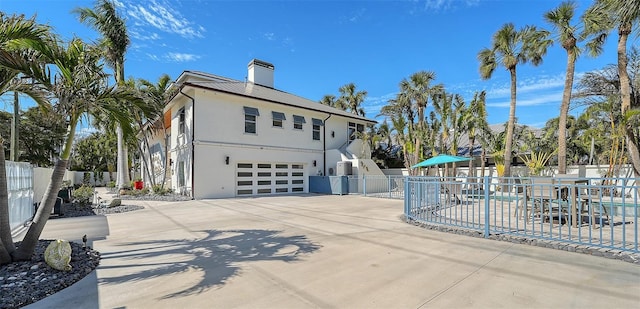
column 218, row 256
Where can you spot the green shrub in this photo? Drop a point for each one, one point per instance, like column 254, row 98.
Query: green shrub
column 111, row 184
column 131, row 192
column 83, row 195
column 159, row 190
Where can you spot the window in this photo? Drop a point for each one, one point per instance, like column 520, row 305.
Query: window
column 278, row 118
column 181, row 178
column 297, row 122
column 353, row 130
column 317, row 123
column 181, row 118
column 250, row 119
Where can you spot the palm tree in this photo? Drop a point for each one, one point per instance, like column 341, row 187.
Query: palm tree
column 605, row 15
column 443, row 106
column 14, row 30
column 511, row 47
column 155, row 96
column 417, row 90
column 114, row 42
column 351, row 100
column 331, row 100
column 80, row 87
column 476, row 121
column 560, row 19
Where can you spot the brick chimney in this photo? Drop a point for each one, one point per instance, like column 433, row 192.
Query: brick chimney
column 261, row 73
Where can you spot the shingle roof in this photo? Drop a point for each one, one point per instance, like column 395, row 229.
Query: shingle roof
column 248, row 89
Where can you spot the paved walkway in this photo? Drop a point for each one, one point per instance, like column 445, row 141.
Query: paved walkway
column 321, row 251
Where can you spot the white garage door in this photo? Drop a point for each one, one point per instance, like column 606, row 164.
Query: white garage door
column 269, row 178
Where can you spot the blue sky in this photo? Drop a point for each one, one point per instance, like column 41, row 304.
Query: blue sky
column 318, row 46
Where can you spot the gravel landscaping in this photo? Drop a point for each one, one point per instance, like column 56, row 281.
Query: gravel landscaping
column 26, row 282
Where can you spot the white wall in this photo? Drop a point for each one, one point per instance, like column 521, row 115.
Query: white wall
column 219, row 132
column 215, row 179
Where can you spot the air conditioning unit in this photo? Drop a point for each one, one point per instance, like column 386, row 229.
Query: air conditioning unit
column 343, row 168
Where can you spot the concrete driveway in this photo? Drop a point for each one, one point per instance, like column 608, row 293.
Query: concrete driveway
column 323, row 251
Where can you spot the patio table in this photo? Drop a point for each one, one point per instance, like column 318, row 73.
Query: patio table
column 572, row 184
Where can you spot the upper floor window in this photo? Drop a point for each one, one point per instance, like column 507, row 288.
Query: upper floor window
column 297, row 122
column 354, row 129
column 278, row 118
column 317, row 123
column 181, row 119
column 250, row 119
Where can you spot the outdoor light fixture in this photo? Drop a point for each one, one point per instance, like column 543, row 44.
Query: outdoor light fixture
column 170, row 161
column 333, row 134
column 314, row 162
column 226, row 160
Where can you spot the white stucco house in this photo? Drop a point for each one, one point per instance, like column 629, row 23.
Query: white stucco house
column 230, row 138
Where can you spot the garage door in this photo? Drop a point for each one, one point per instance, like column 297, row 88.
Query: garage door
column 269, row 178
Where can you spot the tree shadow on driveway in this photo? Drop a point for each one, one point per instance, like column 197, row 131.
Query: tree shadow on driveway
column 218, row 256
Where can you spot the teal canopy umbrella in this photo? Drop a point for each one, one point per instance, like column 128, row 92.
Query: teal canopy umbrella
column 441, row 159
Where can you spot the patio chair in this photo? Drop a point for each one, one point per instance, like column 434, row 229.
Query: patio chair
column 548, row 201
column 592, row 205
column 590, row 202
column 452, row 191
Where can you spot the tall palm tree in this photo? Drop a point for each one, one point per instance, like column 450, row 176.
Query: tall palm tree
column 443, row 106
column 351, row 100
column 114, row 42
column 560, row 19
column 80, row 87
column 510, row 47
column 14, row 30
column 155, row 96
column 417, row 90
column 476, row 121
column 625, row 16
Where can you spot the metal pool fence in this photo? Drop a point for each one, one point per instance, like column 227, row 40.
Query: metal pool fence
column 598, row 212
column 378, row 186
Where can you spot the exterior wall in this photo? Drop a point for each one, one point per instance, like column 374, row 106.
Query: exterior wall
column 215, row 179
column 219, row 133
column 180, row 148
column 159, row 155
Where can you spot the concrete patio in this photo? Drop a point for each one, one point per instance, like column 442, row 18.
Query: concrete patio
column 308, row 251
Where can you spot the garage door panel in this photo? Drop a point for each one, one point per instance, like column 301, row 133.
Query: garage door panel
column 261, row 178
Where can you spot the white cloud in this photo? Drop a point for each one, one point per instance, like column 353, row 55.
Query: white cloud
column 549, row 98
column 270, row 36
column 142, row 35
column 357, row 15
column 530, row 85
column 161, row 15
column 118, row 4
column 438, row 4
column 153, row 57
column 181, row 57
column 373, row 105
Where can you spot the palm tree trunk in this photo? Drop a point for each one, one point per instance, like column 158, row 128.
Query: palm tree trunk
column 30, row 240
column 510, row 125
column 592, row 150
column 122, row 170
column 6, row 242
column 148, row 164
column 25, row 251
column 625, row 94
column 472, row 167
column 564, row 110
